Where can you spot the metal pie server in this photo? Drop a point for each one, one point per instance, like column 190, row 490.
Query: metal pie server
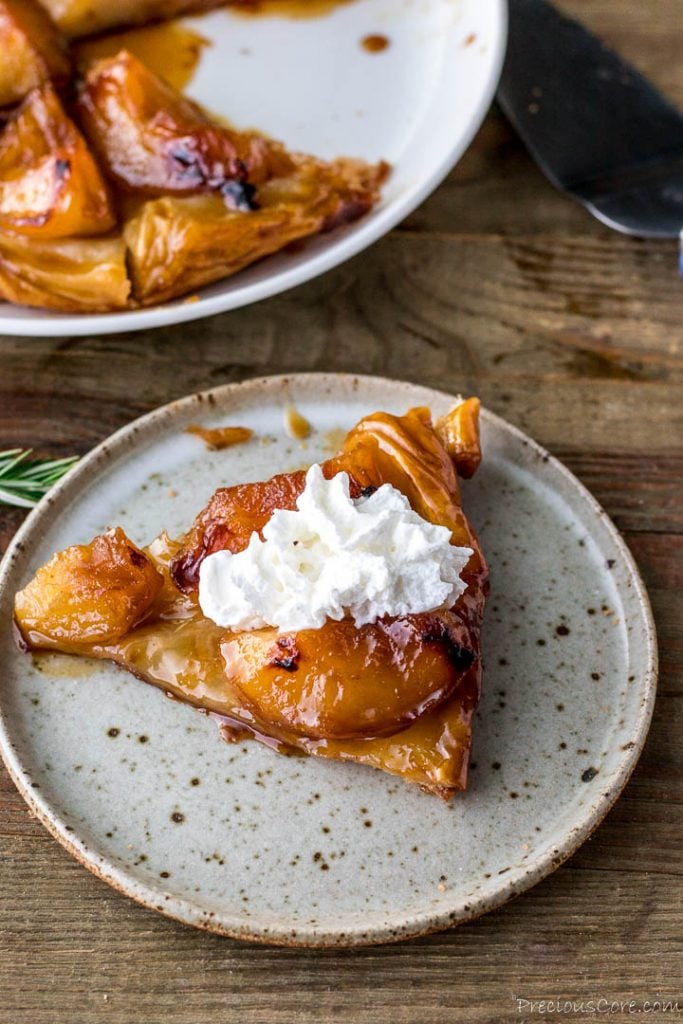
column 597, row 128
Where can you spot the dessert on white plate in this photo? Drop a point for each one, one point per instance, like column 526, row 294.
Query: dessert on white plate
column 323, row 94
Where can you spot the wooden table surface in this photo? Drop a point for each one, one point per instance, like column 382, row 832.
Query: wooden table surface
column 496, row 286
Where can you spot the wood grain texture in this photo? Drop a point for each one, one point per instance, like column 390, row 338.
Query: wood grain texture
column 500, row 286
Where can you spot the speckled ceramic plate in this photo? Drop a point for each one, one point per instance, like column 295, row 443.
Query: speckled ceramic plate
column 243, row 841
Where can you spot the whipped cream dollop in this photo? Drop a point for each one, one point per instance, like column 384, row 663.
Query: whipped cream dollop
column 334, row 557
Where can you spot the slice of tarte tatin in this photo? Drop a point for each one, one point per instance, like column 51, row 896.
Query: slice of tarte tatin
column 136, row 195
column 397, row 693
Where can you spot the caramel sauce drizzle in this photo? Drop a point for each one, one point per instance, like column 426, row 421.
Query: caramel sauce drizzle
column 375, row 43
column 296, row 425
column 170, row 49
column 217, row 438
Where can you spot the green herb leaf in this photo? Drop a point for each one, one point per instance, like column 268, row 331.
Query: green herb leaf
column 24, row 481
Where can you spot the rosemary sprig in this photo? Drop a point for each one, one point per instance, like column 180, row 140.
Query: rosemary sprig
column 24, row 481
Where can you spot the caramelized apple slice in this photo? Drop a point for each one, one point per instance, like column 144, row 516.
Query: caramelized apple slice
column 338, row 192
column 50, row 186
column 179, row 244
column 33, row 51
column 343, row 682
column 230, row 518
column 71, row 275
column 154, row 142
column 402, row 450
column 88, row 594
column 458, row 431
column 85, row 17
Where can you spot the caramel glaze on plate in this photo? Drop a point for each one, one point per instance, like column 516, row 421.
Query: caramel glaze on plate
column 170, row 48
column 398, row 694
column 217, row 438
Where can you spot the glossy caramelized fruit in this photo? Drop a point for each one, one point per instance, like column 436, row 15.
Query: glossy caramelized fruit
column 65, row 274
column 226, row 198
column 154, row 142
column 56, row 246
column 177, row 200
column 397, row 694
column 33, row 50
column 90, row 593
column 178, row 244
column 50, row 185
column 342, row 681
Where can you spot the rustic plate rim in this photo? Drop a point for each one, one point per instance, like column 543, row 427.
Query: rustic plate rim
column 517, row 880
